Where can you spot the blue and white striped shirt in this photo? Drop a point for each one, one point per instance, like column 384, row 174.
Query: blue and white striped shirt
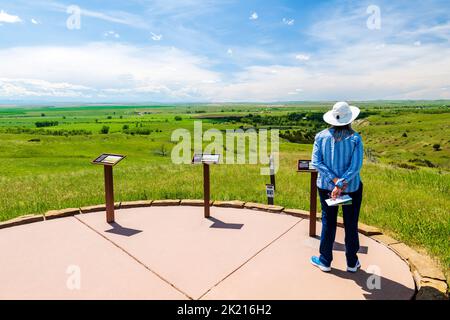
column 337, row 159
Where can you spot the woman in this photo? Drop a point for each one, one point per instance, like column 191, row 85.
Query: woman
column 338, row 156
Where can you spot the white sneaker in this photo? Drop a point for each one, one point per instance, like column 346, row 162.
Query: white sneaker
column 355, row 268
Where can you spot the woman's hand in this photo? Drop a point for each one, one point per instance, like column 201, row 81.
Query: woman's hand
column 335, row 193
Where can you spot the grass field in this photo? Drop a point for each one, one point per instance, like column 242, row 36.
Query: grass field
column 406, row 177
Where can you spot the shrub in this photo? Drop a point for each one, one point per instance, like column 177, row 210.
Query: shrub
column 140, row 131
column 436, row 147
column 298, row 136
column 104, row 130
column 422, row 162
column 403, row 165
column 41, row 124
column 162, row 151
column 178, row 118
column 60, row 132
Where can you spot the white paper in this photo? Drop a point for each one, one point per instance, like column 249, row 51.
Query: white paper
column 339, row 200
column 112, row 159
column 213, row 158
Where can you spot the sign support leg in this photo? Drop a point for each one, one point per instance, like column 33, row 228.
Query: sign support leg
column 206, row 189
column 313, row 205
column 109, row 194
column 272, row 180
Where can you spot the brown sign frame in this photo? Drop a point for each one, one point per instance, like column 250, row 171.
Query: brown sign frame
column 103, row 156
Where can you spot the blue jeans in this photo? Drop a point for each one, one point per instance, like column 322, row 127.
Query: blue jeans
column 329, row 222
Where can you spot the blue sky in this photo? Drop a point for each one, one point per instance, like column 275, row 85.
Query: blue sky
column 224, row 50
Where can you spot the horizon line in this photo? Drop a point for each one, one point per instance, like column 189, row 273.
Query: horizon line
column 152, row 103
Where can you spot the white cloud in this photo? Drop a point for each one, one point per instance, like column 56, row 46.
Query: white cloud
column 354, row 73
column 9, row 18
column 302, row 57
column 99, row 69
column 440, row 31
column 34, row 21
column 114, row 71
column 156, row 37
column 288, row 21
column 254, row 16
column 295, row 92
column 111, row 33
column 351, row 63
column 13, row 88
column 230, row 52
column 417, row 43
column 120, row 17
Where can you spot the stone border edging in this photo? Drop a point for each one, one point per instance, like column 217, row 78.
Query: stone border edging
column 29, row 218
column 430, row 281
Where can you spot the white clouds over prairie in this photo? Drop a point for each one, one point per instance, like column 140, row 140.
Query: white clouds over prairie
column 115, row 70
column 35, row 88
column 357, row 73
column 340, row 58
column 8, row 18
column 99, row 68
column 168, row 74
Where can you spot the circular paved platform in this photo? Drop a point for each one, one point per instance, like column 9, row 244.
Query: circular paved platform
column 175, row 253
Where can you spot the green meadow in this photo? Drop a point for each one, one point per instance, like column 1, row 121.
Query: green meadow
column 46, row 153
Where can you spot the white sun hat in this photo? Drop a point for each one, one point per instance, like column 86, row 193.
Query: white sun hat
column 341, row 114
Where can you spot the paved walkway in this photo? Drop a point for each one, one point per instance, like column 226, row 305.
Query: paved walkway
column 175, row 253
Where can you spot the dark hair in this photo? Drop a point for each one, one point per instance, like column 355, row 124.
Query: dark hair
column 346, row 127
column 342, row 132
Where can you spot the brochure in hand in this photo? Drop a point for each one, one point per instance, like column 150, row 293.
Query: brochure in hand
column 343, row 200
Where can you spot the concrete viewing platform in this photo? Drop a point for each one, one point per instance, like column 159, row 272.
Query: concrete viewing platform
column 173, row 252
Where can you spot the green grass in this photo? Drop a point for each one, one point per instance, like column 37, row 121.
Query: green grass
column 55, row 172
column 403, row 137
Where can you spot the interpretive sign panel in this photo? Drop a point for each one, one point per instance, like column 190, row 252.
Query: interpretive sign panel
column 108, row 159
column 304, row 165
column 206, row 158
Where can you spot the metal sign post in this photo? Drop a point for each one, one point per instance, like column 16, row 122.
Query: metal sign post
column 272, row 170
column 206, row 189
column 206, row 160
column 109, row 161
column 109, row 193
column 313, row 204
column 270, row 192
column 305, row 166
